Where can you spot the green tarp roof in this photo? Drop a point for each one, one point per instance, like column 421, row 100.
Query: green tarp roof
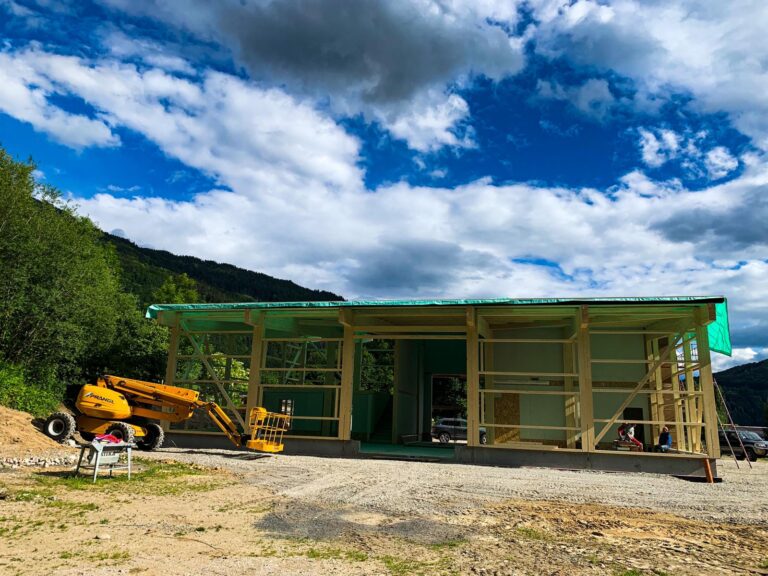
column 719, row 335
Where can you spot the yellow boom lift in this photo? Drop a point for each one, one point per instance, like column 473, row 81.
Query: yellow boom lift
column 126, row 409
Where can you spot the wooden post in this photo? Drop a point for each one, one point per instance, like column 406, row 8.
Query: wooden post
column 569, row 365
column 693, row 433
column 170, row 368
column 585, row 382
column 257, row 359
column 173, row 350
column 473, row 379
column 708, row 398
column 657, row 407
column 347, row 376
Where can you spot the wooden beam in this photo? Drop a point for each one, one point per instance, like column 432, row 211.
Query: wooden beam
column 651, row 371
column 586, row 406
column 254, row 398
column 571, row 403
column 347, row 382
column 473, row 379
column 346, row 317
column 706, row 383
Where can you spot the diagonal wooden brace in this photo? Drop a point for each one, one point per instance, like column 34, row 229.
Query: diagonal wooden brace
column 679, row 331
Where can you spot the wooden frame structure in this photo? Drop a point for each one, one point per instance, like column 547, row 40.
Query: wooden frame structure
column 544, row 375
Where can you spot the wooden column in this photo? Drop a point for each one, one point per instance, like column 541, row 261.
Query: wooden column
column 571, row 404
column 170, row 368
column 693, row 433
column 707, row 387
column 347, row 375
column 473, row 379
column 173, row 350
column 257, row 358
column 585, row 382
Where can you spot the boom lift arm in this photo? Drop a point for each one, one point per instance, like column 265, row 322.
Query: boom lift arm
column 171, row 403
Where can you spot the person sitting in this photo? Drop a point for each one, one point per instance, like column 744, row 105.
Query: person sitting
column 665, row 440
column 627, row 434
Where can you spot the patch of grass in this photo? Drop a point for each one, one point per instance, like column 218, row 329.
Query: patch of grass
column 628, row 572
column 448, row 544
column 161, row 478
column 403, row 567
column 45, row 497
column 763, row 565
column 658, row 572
column 531, row 533
column 113, row 557
column 336, row 554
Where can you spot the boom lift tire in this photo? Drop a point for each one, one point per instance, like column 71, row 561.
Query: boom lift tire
column 153, row 439
column 121, row 431
column 60, row 426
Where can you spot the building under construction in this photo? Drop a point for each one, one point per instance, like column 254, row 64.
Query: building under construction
column 543, row 382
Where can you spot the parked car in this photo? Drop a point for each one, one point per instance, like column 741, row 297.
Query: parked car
column 448, row 429
column 754, row 445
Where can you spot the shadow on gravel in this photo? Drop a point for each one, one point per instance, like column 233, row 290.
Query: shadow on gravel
column 230, row 454
column 293, row 520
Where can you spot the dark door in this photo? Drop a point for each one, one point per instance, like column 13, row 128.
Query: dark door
column 636, row 414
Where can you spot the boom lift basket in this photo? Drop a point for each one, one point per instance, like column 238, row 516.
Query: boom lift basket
column 267, row 429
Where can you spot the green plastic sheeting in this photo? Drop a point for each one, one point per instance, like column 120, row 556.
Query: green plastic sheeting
column 719, row 332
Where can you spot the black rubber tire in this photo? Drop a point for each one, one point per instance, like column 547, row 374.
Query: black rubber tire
column 153, row 439
column 60, row 426
column 87, row 436
column 483, row 438
column 121, row 431
column 444, row 437
column 751, row 455
column 740, row 456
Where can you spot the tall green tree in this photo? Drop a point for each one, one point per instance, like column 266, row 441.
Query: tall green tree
column 177, row 289
column 57, row 281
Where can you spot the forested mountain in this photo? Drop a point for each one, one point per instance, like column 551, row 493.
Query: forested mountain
column 144, row 271
column 746, row 392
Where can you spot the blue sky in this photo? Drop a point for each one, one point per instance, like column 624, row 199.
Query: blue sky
column 423, row 148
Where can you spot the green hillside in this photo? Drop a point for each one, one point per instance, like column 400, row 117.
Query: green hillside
column 144, row 270
column 746, row 392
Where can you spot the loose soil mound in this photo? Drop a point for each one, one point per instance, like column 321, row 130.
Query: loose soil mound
column 20, row 438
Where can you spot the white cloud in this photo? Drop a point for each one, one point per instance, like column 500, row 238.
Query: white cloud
column 223, row 125
column 430, row 123
column 720, row 163
column 715, row 51
column 658, row 147
column 593, row 98
column 393, row 62
column 739, row 356
column 661, row 145
column 24, row 95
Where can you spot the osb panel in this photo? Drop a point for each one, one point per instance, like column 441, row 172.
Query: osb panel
column 506, row 410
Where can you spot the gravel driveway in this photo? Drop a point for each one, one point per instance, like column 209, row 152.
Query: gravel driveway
column 429, row 489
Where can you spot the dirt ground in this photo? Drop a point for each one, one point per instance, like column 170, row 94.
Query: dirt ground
column 224, row 512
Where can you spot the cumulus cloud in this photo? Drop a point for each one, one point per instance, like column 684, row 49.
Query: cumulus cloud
column 720, row 163
column 715, row 51
column 24, row 94
column 394, row 62
column 221, row 125
column 593, row 98
column 661, row 145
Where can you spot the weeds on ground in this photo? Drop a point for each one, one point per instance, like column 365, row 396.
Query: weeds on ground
column 629, row 572
column 763, row 565
column 448, row 544
column 336, row 554
column 160, row 478
column 531, row 533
